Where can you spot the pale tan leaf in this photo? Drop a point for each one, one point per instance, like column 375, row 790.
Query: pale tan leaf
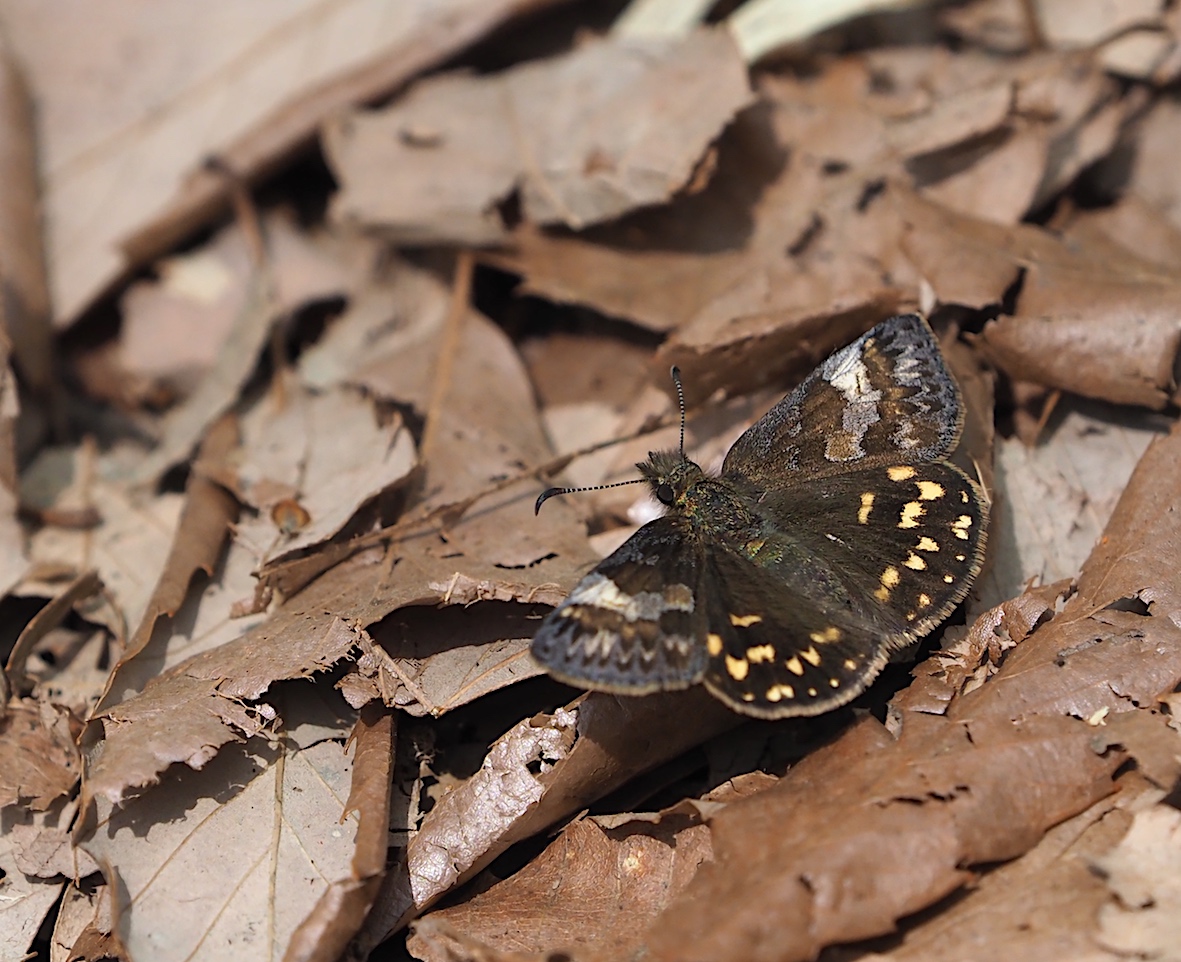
column 123, row 149
column 248, row 845
column 1142, row 873
column 595, row 133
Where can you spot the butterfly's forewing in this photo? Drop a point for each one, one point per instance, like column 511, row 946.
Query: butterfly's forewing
column 804, row 616
column 885, row 399
column 634, row 624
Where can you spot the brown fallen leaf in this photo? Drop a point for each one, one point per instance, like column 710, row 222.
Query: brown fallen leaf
column 211, row 684
column 13, row 556
column 1152, row 176
column 25, row 315
column 83, row 923
column 901, row 818
column 39, row 760
column 196, row 546
column 1059, row 494
column 734, row 269
column 1074, row 312
column 1131, row 224
column 1042, row 905
column 1082, row 25
column 590, row 894
column 327, row 929
column 543, row 770
column 595, row 133
column 47, row 851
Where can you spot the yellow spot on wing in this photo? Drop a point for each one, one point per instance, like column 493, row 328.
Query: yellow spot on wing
column 779, row 692
column 834, row 682
column 911, row 512
column 927, row 544
column 961, row 525
column 924, row 601
column 794, row 665
column 760, row 653
column 713, row 644
column 915, row 562
column 866, row 507
column 930, row 491
column 745, row 621
column 830, row 634
column 890, row 577
column 811, row 656
column 948, row 579
column 903, row 472
column 850, row 664
column 737, row 667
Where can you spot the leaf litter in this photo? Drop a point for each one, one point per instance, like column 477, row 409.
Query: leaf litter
column 270, row 592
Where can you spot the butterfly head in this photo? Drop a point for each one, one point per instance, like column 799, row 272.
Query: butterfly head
column 670, row 474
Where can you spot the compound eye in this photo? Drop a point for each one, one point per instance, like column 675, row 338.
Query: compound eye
column 665, row 494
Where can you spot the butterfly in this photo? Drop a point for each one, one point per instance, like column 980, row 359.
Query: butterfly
column 836, row 533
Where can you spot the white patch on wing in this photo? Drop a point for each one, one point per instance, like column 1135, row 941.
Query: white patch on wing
column 846, row 372
column 598, row 591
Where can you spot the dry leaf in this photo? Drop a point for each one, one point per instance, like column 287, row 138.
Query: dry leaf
column 1040, row 906
column 900, row 817
column 543, row 770
column 590, row 894
column 328, row 452
column 1141, row 871
column 174, row 328
column 196, row 546
column 24, row 317
column 27, row 899
column 1058, row 495
column 129, row 546
column 259, row 835
column 39, row 761
column 1075, row 312
column 583, row 138
column 253, row 86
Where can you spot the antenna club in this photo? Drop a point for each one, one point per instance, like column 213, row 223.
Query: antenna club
column 545, row 496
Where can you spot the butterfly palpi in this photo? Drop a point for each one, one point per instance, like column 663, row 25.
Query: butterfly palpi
column 836, row 533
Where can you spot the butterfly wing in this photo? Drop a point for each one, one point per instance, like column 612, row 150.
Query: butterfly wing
column 633, row 625
column 886, row 398
column 802, row 618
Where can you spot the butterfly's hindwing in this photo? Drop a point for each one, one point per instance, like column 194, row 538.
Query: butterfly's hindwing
column 633, row 624
column 792, row 657
column 884, row 399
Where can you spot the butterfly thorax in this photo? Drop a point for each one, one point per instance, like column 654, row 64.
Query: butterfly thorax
column 682, row 486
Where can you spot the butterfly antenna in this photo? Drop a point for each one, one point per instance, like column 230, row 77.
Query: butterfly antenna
column 552, row 492
column 676, row 376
